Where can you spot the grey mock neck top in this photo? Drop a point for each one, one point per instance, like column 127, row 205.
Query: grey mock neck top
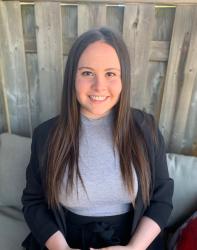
column 100, row 170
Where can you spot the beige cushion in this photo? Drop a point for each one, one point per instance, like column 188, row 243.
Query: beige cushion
column 14, row 158
column 183, row 169
column 13, row 229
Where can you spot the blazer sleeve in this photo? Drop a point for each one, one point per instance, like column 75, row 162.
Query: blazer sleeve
column 161, row 199
column 36, row 213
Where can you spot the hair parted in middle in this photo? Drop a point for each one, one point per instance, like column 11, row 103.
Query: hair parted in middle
column 63, row 148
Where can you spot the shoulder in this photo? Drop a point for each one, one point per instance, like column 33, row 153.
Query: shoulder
column 142, row 118
column 40, row 137
column 42, row 132
column 147, row 125
column 45, row 127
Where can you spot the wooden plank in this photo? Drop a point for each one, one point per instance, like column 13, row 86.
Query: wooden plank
column 190, row 140
column 14, row 67
column 50, row 67
column 29, row 33
column 168, row 2
column 164, row 21
column 95, row 16
column 69, row 26
column 137, row 33
column 189, row 71
column 156, row 78
column 115, row 16
column 30, row 45
column 29, row 29
column 33, row 79
column 192, row 124
column 159, row 50
column 174, row 75
column 3, row 117
column 159, row 53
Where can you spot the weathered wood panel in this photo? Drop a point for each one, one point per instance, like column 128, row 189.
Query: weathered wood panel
column 69, row 26
column 50, row 68
column 14, row 67
column 164, row 67
column 3, row 123
column 29, row 29
column 159, row 50
column 95, row 16
column 115, row 15
column 187, row 83
column 156, row 81
column 190, row 139
column 33, row 80
column 29, row 33
column 176, row 64
column 170, row 2
column 137, row 32
column 162, row 32
column 163, row 25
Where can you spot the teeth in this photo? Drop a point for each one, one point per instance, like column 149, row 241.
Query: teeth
column 98, row 98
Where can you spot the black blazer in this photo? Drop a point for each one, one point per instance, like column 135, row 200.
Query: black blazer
column 43, row 222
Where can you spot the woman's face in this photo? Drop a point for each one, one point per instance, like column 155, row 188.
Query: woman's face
column 98, row 80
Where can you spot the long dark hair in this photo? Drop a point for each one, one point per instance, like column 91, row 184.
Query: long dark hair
column 63, row 148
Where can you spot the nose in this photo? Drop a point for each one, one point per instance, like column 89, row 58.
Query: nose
column 99, row 83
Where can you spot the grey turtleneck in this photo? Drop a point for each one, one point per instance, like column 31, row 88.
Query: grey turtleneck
column 100, row 170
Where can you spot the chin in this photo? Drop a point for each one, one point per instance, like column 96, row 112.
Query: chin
column 97, row 114
column 101, row 113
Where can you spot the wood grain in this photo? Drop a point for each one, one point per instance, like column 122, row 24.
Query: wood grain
column 14, row 68
column 50, row 65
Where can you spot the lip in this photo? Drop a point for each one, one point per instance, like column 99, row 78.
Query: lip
column 99, row 101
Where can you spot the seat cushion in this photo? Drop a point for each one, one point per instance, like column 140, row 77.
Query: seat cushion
column 14, row 155
column 183, row 169
column 13, row 229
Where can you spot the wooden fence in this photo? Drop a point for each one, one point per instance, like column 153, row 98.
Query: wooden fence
column 35, row 39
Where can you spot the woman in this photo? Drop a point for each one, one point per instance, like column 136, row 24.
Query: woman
column 97, row 176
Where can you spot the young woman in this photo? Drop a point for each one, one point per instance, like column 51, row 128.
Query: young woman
column 97, row 176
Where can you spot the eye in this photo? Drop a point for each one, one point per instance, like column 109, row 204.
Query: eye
column 87, row 73
column 110, row 74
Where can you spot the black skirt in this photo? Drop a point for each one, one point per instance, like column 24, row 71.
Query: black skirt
column 84, row 232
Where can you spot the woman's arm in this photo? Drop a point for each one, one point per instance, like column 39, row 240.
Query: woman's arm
column 57, row 242
column 39, row 218
column 145, row 233
column 157, row 213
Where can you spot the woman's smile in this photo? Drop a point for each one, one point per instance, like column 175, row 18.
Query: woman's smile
column 98, row 99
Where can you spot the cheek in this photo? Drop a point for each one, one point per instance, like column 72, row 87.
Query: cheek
column 81, row 88
column 116, row 87
column 79, row 85
column 120, row 87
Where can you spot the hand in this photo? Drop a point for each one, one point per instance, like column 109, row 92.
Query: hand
column 114, row 248
column 69, row 248
column 58, row 242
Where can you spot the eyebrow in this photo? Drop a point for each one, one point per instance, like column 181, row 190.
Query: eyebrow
column 84, row 67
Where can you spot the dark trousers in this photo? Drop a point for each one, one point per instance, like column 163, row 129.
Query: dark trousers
column 84, row 232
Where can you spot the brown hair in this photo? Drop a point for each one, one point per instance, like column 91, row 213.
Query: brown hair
column 63, row 149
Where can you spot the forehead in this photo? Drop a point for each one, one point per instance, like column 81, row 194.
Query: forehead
column 99, row 54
